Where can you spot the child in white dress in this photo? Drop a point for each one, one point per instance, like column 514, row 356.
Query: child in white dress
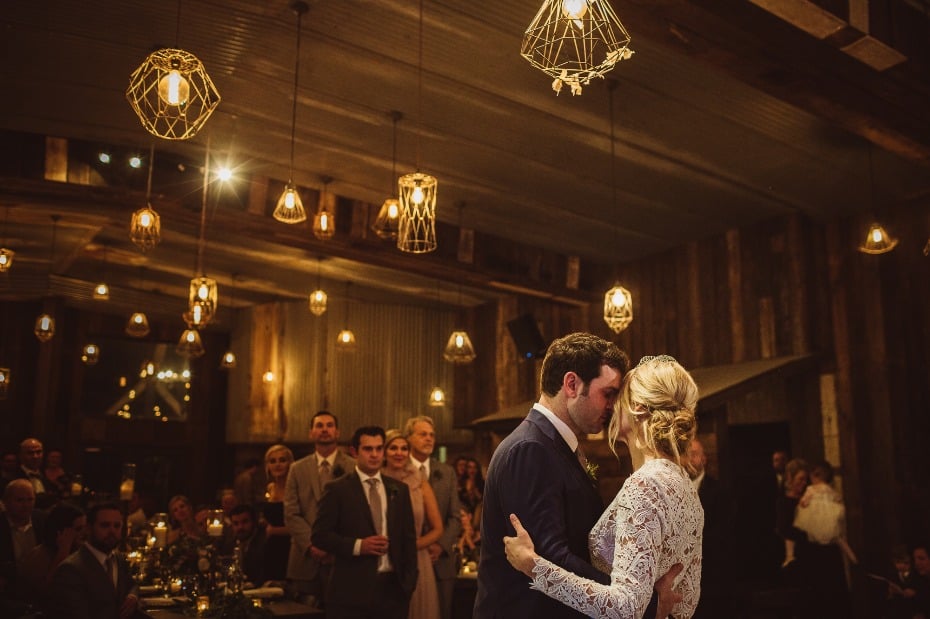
column 821, row 513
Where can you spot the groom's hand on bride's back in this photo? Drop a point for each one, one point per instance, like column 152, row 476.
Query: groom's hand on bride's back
column 668, row 597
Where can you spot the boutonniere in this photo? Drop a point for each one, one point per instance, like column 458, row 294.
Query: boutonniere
column 591, row 469
column 391, row 492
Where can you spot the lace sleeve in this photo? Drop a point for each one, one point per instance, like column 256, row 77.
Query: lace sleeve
column 639, row 517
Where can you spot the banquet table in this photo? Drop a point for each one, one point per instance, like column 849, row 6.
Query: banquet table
column 279, row 608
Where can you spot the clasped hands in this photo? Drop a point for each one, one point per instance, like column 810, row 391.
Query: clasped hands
column 376, row 545
column 522, row 556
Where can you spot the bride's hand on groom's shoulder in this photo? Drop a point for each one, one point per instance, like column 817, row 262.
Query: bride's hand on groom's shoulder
column 668, row 597
column 519, row 549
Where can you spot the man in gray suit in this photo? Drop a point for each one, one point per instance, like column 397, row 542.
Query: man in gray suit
column 421, row 435
column 308, row 566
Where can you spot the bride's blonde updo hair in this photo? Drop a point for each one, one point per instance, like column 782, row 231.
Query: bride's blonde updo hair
column 660, row 397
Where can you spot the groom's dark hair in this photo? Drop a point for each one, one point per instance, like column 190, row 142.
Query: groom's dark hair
column 583, row 354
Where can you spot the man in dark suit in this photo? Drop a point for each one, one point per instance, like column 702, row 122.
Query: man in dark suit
column 537, row 471
column 94, row 582
column 366, row 522
column 31, row 454
column 421, row 436
column 250, row 538
column 716, row 590
column 20, row 531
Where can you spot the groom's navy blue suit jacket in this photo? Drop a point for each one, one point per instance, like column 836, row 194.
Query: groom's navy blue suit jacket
column 534, row 475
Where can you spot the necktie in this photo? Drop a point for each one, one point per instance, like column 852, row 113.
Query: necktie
column 423, row 474
column 374, row 502
column 110, row 565
column 581, row 457
column 326, row 473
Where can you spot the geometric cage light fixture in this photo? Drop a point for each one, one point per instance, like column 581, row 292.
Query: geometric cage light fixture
column 145, row 226
column 172, row 94
column 575, row 41
column 877, row 240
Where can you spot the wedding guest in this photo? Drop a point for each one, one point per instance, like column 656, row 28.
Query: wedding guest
column 252, row 543
column 460, row 465
column 249, row 485
column 918, row 587
column 62, row 534
column 94, row 582
column 421, row 435
column 31, row 454
column 308, row 567
column 278, row 461
column 366, row 522
column 20, row 527
column 655, row 521
column 182, row 520
column 424, row 603
column 796, row 479
column 135, row 518
column 716, row 580
column 56, row 474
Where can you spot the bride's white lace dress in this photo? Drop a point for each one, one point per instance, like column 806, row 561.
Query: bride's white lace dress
column 654, row 522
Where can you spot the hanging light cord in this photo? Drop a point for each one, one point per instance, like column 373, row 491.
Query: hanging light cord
column 51, row 253
column 201, row 242
column 871, row 182
column 611, row 86
column 420, row 86
column 395, row 116
column 148, row 185
column 177, row 28
column 300, row 14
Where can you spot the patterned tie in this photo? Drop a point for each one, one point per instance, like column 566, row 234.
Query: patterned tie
column 374, row 502
column 423, row 474
column 326, row 473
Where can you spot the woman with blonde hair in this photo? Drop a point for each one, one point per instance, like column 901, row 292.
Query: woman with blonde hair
column 424, row 604
column 654, row 522
column 278, row 461
column 182, row 520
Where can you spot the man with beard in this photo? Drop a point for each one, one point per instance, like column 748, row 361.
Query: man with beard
column 94, row 582
column 308, row 566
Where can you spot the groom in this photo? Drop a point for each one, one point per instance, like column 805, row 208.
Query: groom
column 537, row 472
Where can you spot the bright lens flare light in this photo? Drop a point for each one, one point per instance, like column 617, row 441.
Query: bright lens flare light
column 574, row 9
column 173, row 89
column 224, row 174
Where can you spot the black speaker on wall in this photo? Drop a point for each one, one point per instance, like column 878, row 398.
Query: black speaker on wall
column 526, row 336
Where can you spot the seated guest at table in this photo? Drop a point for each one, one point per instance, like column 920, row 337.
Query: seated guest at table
column 20, row 527
column 228, row 501
column 278, row 461
column 94, row 582
column 31, row 455
column 252, row 543
column 56, row 474
column 183, row 523
column 135, row 518
column 62, row 534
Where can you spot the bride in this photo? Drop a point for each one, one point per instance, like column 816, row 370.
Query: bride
column 654, row 522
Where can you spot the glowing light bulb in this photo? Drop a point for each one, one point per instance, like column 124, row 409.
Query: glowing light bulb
column 135, row 163
column 268, row 376
column 173, row 89
column 618, row 298
column 289, row 199
column 190, row 336
column 393, row 210
column 574, row 9
column 876, row 235
column 145, row 219
column 459, row 341
column 197, row 313
column 324, row 222
column 417, row 195
column 137, row 318
column 224, row 174
column 229, row 358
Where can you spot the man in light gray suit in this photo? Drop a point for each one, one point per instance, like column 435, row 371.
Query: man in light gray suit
column 308, row 566
column 421, row 435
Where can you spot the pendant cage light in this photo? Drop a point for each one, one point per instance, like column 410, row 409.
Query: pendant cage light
column 228, row 360
column 203, row 291
column 877, row 239
column 416, row 227
column 618, row 302
column 101, row 289
column 90, row 354
column 6, row 254
column 317, row 300
column 324, row 222
column 171, row 92
column 345, row 340
column 5, row 379
column 44, row 329
column 575, row 41
column 437, row 397
column 386, row 223
column 145, row 225
column 190, row 346
column 137, row 325
column 459, row 349
column 290, row 208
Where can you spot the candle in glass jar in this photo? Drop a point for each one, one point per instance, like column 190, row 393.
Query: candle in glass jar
column 76, row 489
column 160, row 532
column 215, row 528
column 203, row 603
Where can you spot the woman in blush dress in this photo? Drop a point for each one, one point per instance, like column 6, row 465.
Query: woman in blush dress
column 654, row 522
column 278, row 461
column 424, row 604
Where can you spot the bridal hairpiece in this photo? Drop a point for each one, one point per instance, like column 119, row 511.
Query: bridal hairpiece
column 659, row 358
